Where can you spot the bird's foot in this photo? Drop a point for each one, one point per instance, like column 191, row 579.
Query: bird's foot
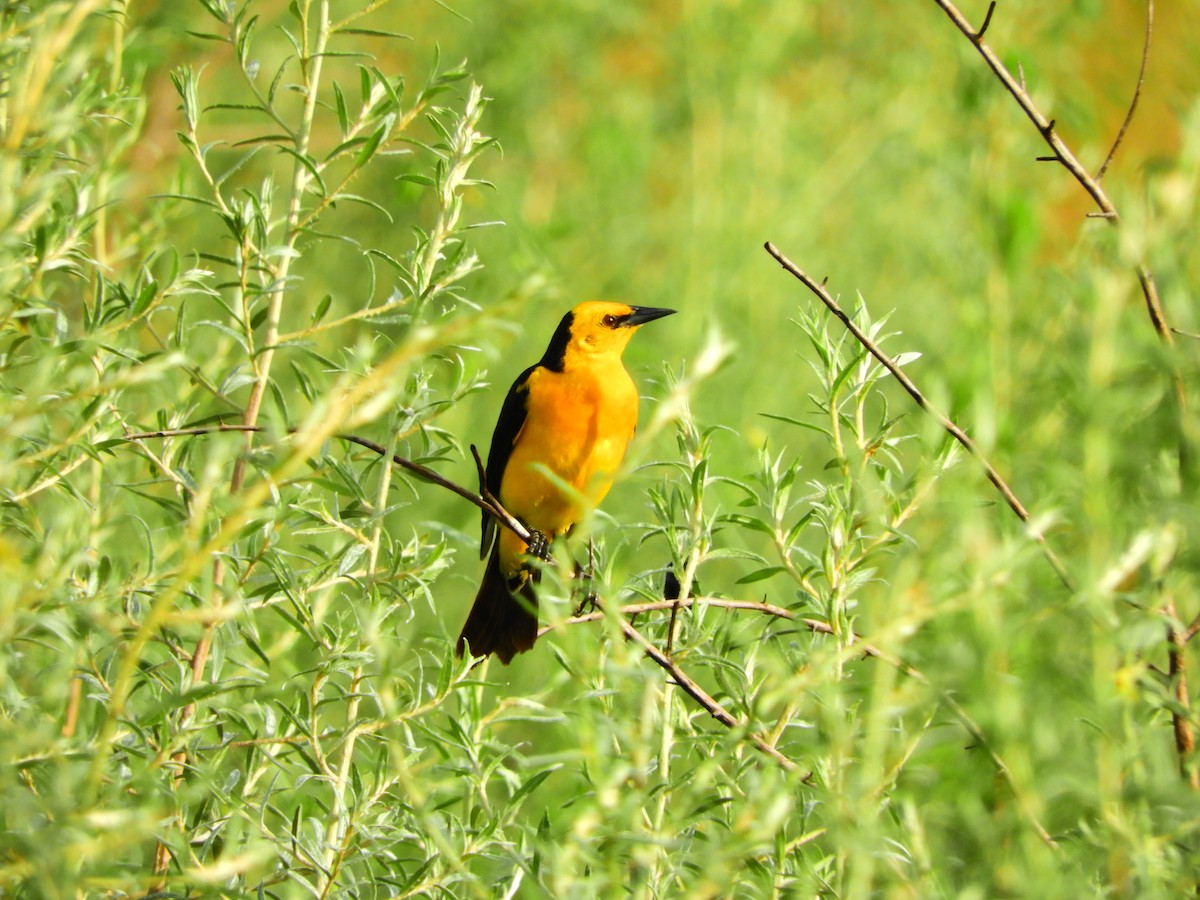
column 538, row 545
column 588, row 603
column 588, row 580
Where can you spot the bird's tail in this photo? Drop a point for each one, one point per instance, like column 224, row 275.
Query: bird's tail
column 500, row 622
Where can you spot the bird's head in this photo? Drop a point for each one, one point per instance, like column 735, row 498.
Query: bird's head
column 598, row 328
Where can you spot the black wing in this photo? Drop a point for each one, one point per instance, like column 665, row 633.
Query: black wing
column 508, row 426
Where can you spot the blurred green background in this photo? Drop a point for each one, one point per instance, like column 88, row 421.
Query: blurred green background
column 648, row 151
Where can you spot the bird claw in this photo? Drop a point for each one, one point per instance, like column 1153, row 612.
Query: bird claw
column 588, row 603
column 587, row 578
column 538, row 545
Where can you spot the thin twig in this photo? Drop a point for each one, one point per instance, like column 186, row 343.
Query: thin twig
column 634, row 609
column 1137, row 91
column 1001, row 766
column 492, row 503
column 952, row 429
column 194, row 431
column 1155, row 309
column 987, row 20
column 816, row 626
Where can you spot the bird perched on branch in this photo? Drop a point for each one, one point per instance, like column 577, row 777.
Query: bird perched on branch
column 559, row 441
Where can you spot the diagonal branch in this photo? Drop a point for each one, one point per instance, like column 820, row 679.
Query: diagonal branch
column 1192, row 630
column 1063, row 154
column 952, row 429
column 1184, row 738
column 1045, row 127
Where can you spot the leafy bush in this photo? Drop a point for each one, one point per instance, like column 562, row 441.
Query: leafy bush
column 228, row 632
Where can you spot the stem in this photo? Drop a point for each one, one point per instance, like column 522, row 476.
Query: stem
column 339, row 815
column 310, row 64
column 1045, row 127
column 696, row 455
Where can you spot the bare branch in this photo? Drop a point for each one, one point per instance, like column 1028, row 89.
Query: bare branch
column 987, row 20
column 494, row 508
column 1154, row 307
column 952, row 429
column 1137, row 91
column 492, row 502
column 633, row 609
column 1045, row 127
column 189, row 432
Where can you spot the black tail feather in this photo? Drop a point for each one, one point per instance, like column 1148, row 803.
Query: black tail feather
column 500, row 622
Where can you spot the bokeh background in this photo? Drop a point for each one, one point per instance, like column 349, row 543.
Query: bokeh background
column 647, row 150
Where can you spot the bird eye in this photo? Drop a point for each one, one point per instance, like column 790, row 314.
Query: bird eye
column 610, row 321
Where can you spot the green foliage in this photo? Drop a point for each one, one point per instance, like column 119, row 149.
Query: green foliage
column 226, row 658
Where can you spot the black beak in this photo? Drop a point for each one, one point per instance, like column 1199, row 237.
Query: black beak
column 643, row 314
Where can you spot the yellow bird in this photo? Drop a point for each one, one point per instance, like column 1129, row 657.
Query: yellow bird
column 571, row 415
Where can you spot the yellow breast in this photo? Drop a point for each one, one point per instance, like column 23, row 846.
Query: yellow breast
column 577, row 426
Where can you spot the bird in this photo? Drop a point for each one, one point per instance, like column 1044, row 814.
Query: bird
column 558, row 442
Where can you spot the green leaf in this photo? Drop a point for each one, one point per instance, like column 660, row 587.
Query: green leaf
column 418, row 179
column 343, row 114
column 321, row 309
column 531, row 785
column 373, row 32
column 761, row 575
column 790, row 420
column 372, row 144
column 733, row 553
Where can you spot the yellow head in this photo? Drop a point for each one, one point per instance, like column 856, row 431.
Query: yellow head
column 596, row 328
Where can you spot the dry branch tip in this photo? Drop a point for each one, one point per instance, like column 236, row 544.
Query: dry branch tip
column 987, row 20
